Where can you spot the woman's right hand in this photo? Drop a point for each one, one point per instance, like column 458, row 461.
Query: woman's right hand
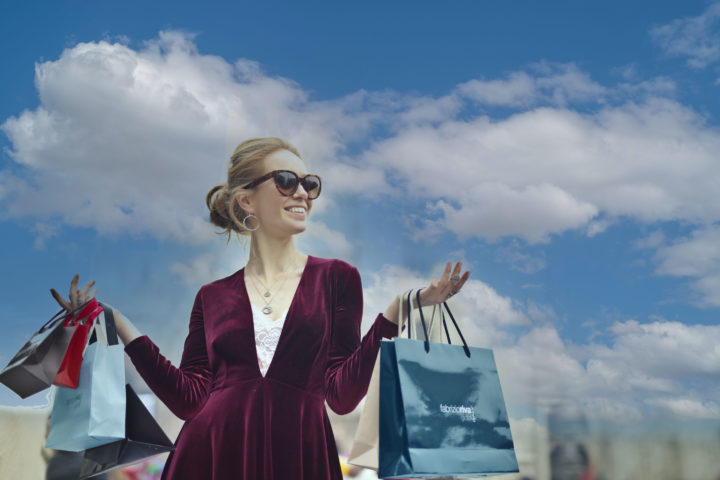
column 77, row 297
column 125, row 329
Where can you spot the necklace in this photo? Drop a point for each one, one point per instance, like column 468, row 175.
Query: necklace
column 267, row 290
column 267, row 309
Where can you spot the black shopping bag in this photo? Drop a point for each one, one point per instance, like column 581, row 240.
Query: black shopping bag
column 143, row 439
column 34, row 367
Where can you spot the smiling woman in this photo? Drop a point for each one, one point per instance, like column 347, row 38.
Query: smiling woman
column 270, row 344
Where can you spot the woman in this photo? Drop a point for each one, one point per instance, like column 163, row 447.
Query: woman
column 271, row 343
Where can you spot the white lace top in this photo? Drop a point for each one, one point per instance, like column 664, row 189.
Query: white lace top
column 267, row 335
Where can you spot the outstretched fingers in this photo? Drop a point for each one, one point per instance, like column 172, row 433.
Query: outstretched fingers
column 63, row 303
column 73, row 295
column 84, row 292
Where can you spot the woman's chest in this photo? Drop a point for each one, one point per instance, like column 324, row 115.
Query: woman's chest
column 231, row 331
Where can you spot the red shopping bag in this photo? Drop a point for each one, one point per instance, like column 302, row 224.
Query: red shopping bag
column 69, row 372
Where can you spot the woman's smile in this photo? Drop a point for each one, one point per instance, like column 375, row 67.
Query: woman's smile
column 297, row 212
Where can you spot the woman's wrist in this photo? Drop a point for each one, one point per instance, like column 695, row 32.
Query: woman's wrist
column 125, row 329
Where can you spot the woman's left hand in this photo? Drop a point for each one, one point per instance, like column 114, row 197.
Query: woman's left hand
column 445, row 287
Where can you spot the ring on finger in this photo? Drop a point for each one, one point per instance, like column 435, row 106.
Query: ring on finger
column 455, row 279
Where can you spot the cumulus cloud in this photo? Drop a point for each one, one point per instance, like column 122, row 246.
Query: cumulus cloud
column 206, row 268
column 696, row 257
column 549, row 170
column 697, row 38
column 654, row 368
column 490, row 314
column 130, row 141
column 557, row 84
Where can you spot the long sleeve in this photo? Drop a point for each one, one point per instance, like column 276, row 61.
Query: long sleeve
column 184, row 389
column 351, row 360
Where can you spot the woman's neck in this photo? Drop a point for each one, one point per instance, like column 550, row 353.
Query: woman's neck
column 270, row 257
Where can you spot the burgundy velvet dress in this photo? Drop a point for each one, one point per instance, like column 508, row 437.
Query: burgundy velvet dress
column 241, row 425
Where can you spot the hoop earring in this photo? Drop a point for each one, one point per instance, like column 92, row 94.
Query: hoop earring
column 244, row 222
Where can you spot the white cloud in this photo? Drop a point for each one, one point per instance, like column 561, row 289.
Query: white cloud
column 130, row 141
column 518, row 89
column 325, row 242
column 519, row 260
column 556, row 84
column 687, row 408
column 548, row 170
column 206, row 268
column 648, row 369
column 489, row 312
column 696, row 257
column 533, row 212
column 697, row 38
column 44, row 232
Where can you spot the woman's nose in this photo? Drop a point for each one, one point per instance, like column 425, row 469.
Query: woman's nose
column 300, row 192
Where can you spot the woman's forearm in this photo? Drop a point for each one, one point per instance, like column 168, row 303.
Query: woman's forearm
column 391, row 312
column 125, row 329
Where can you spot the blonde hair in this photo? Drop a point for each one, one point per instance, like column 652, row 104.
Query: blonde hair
column 246, row 164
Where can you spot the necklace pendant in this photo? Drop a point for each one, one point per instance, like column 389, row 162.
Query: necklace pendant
column 267, row 294
column 267, row 310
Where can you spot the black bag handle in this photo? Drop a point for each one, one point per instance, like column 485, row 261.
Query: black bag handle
column 422, row 318
column 465, row 345
column 110, row 331
column 60, row 316
column 427, row 341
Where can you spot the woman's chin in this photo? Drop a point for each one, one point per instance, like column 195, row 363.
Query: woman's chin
column 297, row 227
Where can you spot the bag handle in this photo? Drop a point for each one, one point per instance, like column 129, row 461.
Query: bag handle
column 111, row 332
column 422, row 318
column 108, row 335
column 427, row 342
column 62, row 315
column 465, row 345
column 399, row 317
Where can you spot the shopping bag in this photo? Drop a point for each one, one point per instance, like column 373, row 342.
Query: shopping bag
column 69, row 372
column 442, row 411
column 143, row 438
column 364, row 449
column 92, row 414
column 35, row 366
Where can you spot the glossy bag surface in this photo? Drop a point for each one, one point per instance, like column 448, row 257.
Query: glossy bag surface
column 442, row 412
column 35, row 366
column 92, row 414
column 143, row 438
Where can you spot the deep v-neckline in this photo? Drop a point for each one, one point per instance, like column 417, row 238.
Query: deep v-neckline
column 288, row 315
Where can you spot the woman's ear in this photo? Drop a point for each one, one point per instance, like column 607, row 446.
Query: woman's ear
column 245, row 202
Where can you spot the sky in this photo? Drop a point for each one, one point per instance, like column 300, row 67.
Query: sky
column 565, row 152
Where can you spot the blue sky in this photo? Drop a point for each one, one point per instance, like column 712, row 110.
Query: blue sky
column 566, row 152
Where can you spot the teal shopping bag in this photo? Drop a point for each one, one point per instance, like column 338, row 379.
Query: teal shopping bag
column 442, row 411
column 93, row 414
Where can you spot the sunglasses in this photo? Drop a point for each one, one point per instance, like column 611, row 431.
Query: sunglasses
column 287, row 183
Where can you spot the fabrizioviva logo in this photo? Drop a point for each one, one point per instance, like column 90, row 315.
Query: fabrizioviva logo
column 467, row 413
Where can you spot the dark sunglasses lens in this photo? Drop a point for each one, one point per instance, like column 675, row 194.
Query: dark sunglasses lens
column 287, row 182
column 311, row 186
